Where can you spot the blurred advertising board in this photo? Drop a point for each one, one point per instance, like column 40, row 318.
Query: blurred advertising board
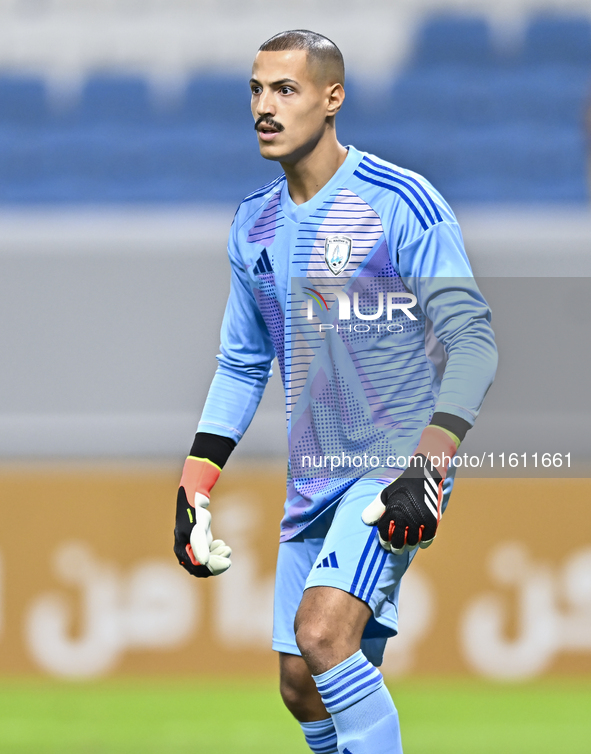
column 89, row 585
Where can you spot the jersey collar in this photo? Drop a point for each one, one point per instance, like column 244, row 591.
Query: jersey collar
column 297, row 212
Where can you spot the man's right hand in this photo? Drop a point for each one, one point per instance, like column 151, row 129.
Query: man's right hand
column 194, row 546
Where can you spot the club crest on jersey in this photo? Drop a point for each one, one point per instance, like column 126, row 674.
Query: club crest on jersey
column 337, row 252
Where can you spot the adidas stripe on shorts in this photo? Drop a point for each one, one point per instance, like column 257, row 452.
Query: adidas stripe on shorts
column 339, row 550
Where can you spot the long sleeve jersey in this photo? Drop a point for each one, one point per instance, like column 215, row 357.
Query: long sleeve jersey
column 366, row 296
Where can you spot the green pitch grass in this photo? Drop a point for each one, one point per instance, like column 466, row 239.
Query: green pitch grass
column 241, row 717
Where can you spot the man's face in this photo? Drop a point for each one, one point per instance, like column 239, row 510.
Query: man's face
column 290, row 104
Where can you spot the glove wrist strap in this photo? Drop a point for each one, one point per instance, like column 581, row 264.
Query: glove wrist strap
column 199, row 475
column 438, row 446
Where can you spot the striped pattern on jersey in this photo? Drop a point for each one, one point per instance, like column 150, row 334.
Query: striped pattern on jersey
column 343, row 213
column 263, row 190
column 271, row 218
column 356, row 397
column 398, row 394
column 263, row 233
column 390, row 391
column 409, row 189
column 266, row 298
column 369, row 568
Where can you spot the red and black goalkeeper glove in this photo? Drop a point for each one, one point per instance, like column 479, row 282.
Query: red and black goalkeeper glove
column 194, row 546
column 184, row 523
column 408, row 511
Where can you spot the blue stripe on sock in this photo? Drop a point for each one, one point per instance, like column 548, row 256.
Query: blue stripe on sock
column 324, row 687
column 347, row 683
column 319, row 744
column 321, row 736
column 329, row 749
column 354, row 695
column 353, row 681
column 327, row 743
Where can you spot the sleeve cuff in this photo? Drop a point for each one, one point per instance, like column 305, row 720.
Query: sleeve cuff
column 214, row 448
column 451, row 423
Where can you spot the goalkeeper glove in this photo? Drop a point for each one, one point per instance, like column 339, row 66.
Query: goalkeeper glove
column 408, row 511
column 194, row 546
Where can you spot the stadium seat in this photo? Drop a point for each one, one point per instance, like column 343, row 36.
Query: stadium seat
column 221, row 100
column 544, row 95
column 552, row 39
column 447, row 95
column 23, row 101
column 114, row 99
column 480, row 127
column 453, row 40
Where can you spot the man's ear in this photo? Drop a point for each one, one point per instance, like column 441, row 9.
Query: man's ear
column 336, row 97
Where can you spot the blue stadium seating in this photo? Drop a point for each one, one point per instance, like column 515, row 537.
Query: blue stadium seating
column 453, row 40
column 491, row 128
column 552, row 39
column 110, row 98
column 23, row 101
column 481, row 127
column 447, row 95
column 217, row 98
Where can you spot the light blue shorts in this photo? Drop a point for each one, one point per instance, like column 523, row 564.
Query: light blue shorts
column 339, row 550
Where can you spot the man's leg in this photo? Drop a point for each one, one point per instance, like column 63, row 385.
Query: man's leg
column 329, row 625
column 298, row 690
column 338, row 556
column 302, row 699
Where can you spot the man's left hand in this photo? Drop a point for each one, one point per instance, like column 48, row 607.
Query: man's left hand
column 196, row 549
column 408, row 511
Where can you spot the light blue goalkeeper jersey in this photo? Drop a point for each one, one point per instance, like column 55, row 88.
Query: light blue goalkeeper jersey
column 366, row 297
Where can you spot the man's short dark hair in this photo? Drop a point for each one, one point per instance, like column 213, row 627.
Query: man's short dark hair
column 321, row 50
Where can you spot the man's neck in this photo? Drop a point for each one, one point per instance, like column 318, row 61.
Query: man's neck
column 313, row 171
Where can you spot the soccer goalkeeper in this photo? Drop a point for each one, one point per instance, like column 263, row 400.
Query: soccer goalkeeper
column 352, row 272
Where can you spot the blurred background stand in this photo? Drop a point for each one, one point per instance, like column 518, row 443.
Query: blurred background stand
column 126, row 143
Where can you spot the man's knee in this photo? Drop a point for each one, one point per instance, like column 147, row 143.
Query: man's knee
column 314, row 635
column 328, row 627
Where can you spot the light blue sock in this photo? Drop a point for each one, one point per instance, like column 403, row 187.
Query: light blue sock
column 362, row 709
column 321, row 736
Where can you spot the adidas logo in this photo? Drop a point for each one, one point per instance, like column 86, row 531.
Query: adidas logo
column 263, row 265
column 346, row 751
column 330, row 561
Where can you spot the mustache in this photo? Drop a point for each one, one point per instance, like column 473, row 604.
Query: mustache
column 268, row 120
